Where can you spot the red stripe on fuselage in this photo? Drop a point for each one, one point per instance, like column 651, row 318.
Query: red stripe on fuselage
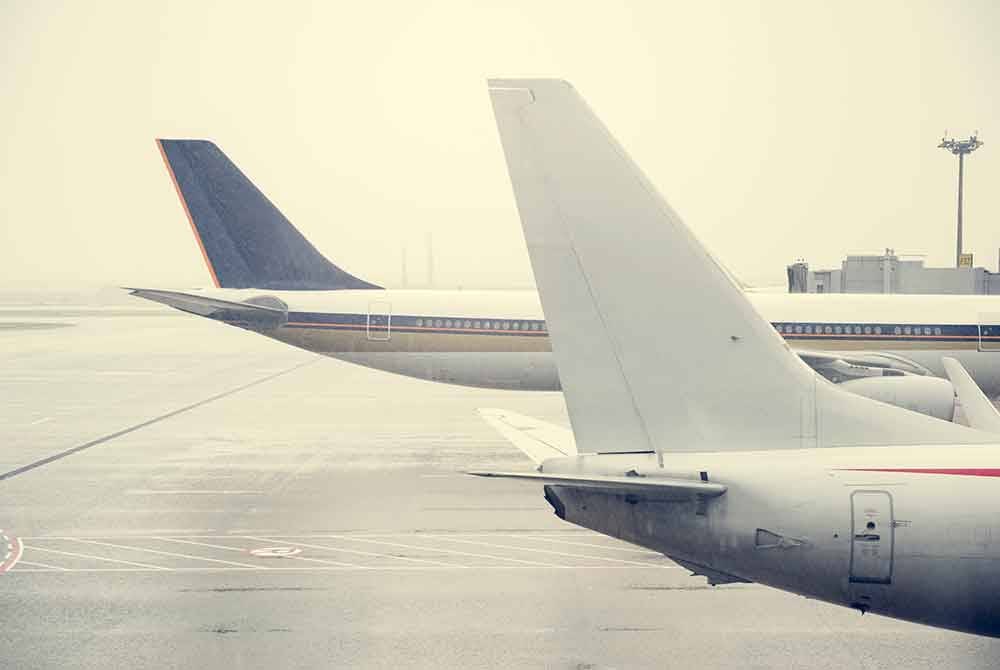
column 968, row 472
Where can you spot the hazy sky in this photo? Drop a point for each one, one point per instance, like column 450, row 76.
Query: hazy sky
column 776, row 129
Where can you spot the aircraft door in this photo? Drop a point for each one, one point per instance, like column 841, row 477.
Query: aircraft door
column 989, row 332
column 379, row 320
column 872, row 537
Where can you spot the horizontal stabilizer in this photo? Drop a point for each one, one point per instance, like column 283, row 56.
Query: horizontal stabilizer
column 649, row 488
column 539, row 440
column 978, row 410
column 263, row 314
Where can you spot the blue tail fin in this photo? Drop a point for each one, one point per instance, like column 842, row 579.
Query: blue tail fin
column 246, row 241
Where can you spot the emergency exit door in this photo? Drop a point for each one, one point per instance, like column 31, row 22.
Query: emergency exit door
column 379, row 320
column 872, row 538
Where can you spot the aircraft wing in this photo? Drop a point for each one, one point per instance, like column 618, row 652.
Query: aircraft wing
column 648, row 488
column 247, row 314
column 537, row 439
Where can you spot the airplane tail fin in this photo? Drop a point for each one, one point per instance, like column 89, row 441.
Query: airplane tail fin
column 657, row 348
column 245, row 240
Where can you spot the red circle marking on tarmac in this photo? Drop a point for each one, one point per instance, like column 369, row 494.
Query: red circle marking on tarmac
column 10, row 550
column 276, row 552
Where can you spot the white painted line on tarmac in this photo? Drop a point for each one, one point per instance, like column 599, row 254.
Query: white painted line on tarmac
column 362, row 553
column 199, row 544
column 440, row 551
column 540, row 551
column 338, row 568
column 40, row 565
column 185, row 492
column 633, row 549
column 242, row 551
column 96, row 558
column 170, row 553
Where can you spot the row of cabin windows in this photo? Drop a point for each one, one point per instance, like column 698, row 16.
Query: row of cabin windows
column 797, row 329
column 481, row 325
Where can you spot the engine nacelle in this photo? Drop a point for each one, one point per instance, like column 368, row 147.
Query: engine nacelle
column 928, row 395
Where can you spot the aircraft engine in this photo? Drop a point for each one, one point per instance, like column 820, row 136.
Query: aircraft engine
column 928, row 395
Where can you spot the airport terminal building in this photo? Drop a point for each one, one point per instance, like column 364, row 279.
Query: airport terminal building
column 889, row 273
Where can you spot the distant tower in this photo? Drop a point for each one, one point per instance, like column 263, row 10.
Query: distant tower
column 960, row 148
column 430, row 260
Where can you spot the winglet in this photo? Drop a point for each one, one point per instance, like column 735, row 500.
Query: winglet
column 979, row 411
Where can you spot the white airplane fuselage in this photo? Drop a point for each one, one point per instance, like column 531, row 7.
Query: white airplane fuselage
column 879, row 529
column 497, row 339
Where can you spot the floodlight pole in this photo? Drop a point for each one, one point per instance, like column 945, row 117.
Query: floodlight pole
column 960, row 148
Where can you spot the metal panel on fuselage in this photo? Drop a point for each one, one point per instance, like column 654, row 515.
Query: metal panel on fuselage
column 943, row 553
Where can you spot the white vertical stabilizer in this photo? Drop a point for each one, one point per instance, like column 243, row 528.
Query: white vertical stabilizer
column 657, row 348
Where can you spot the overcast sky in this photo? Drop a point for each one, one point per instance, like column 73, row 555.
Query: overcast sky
column 777, row 130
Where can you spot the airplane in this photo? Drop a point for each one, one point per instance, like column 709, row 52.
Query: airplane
column 701, row 435
column 269, row 279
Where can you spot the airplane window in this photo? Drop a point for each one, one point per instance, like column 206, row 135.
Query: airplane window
column 468, row 324
column 477, row 324
column 420, row 322
column 937, row 331
column 506, row 325
column 543, row 326
column 798, row 329
column 927, row 331
column 907, row 331
column 897, row 330
column 536, row 326
column 837, row 329
column 809, row 330
column 438, row 323
column 515, row 325
column 447, row 323
column 828, row 330
column 857, row 330
column 878, row 330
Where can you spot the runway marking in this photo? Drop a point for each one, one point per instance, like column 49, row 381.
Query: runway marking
column 95, row 558
column 440, row 551
column 363, row 553
column 346, row 568
column 180, row 492
column 11, row 548
column 199, row 544
column 541, row 551
column 41, row 565
column 149, row 422
column 170, row 553
column 297, row 558
column 633, row 549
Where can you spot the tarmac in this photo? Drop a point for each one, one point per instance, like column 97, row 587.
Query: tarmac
column 175, row 493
